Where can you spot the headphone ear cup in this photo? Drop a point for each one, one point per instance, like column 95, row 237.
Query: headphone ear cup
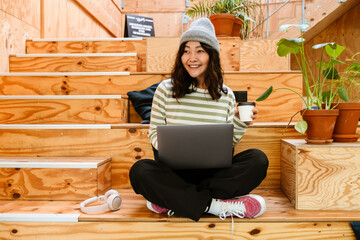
column 114, row 202
column 110, row 192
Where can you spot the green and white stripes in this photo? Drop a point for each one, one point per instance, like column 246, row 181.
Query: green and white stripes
column 194, row 108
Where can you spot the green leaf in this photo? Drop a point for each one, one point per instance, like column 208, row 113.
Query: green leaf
column 302, row 27
column 265, row 95
column 301, row 126
column 326, row 95
column 343, row 94
column 286, row 46
column 331, row 73
column 334, row 50
column 334, row 61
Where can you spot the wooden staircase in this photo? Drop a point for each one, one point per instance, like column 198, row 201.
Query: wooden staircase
column 50, row 112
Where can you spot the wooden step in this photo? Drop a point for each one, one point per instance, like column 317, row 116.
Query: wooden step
column 89, row 45
column 279, row 107
column 280, row 221
column 54, row 178
column 125, row 144
column 75, row 62
column 63, row 109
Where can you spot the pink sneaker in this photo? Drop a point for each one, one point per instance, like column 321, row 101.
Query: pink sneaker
column 158, row 209
column 247, row 206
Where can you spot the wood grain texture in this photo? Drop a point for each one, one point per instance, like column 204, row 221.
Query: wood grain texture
column 229, row 54
column 133, row 209
column 54, row 183
column 268, row 140
column 73, row 64
column 151, row 230
column 124, row 146
column 66, row 19
column 14, row 31
column 279, row 107
column 121, row 46
column 127, row 145
column 288, row 168
column 161, row 54
column 25, row 10
column 344, row 31
column 135, row 220
column 261, row 55
column 77, row 85
column 323, row 14
column 104, row 182
column 105, row 12
column 327, row 176
column 63, row 111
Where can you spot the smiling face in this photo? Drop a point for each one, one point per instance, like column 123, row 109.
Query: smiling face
column 195, row 60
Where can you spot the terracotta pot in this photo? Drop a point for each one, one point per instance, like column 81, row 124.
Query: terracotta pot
column 223, row 24
column 236, row 28
column 347, row 122
column 321, row 125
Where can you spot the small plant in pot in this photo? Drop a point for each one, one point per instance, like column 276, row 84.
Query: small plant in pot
column 229, row 17
column 318, row 116
column 349, row 112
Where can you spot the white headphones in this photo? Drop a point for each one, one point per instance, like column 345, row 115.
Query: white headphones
column 111, row 197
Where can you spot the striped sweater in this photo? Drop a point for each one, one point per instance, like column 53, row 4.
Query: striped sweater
column 194, row 108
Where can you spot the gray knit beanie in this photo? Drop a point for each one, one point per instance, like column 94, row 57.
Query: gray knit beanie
column 201, row 30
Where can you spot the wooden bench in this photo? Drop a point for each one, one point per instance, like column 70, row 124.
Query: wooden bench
column 59, row 220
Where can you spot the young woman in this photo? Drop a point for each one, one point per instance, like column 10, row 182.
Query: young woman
column 195, row 94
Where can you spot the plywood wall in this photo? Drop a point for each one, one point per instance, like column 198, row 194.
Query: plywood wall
column 72, row 19
column 28, row 19
column 344, row 31
column 19, row 20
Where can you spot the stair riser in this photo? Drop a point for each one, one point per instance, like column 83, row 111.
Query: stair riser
column 63, row 111
column 54, row 181
column 75, row 64
column 87, row 46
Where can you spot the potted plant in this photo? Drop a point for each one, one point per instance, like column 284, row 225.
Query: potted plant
column 349, row 112
column 229, row 17
column 318, row 116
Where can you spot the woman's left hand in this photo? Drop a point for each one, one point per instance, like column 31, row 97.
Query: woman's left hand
column 254, row 110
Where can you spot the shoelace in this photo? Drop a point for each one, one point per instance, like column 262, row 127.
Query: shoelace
column 228, row 211
column 170, row 213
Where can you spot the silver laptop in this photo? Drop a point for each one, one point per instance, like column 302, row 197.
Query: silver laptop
column 195, row 146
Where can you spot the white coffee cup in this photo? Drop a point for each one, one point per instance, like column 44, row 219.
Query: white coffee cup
column 245, row 111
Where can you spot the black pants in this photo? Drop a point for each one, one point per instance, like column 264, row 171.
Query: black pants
column 189, row 192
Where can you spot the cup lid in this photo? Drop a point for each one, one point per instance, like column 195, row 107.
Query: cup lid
column 246, row 103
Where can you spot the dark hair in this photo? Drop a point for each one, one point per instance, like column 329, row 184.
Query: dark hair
column 181, row 80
